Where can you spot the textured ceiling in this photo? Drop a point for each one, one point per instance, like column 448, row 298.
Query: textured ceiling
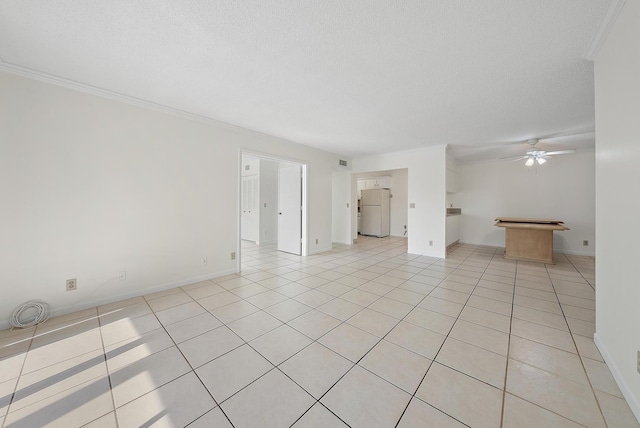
column 352, row 77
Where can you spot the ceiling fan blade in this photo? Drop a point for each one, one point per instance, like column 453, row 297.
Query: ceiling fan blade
column 514, row 157
column 559, row 152
column 566, row 134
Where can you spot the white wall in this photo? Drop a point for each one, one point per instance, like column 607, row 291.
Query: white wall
column 452, row 175
column 398, row 204
column 341, row 207
column 617, row 91
column 97, row 186
column 426, row 188
column 563, row 189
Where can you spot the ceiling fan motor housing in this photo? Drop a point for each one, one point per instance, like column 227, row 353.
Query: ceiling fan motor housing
column 536, row 153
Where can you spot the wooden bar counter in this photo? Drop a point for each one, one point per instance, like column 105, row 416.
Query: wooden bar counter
column 529, row 238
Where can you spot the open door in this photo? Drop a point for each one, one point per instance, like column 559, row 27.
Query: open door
column 290, row 209
column 250, row 225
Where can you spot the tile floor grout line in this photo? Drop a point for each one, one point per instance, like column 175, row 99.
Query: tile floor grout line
column 522, row 398
column 285, row 374
column 51, row 365
column 186, row 360
column 106, row 365
column 255, row 350
column 15, row 388
column 193, row 369
column 540, row 310
column 332, row 329
column 586, row 373
column 354, row 364
column 317, row 402
column 21, row 373
column 506, row 366
column 434, row 358
column 581, row 274
column 386, row 255
column 67, row 389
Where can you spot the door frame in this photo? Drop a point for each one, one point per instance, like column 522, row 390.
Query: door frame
column 276, row 158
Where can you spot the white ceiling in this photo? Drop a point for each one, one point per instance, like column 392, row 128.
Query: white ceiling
column 353, row 77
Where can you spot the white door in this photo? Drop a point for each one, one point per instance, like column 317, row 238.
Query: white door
column 250, row 224
column 290, row 209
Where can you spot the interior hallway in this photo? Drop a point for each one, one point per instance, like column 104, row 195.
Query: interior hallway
column 363, row 336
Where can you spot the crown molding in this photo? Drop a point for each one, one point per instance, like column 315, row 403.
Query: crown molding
column 116, row 96
column 603, row 31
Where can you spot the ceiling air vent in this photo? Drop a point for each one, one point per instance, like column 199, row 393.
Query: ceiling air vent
column 343, row 162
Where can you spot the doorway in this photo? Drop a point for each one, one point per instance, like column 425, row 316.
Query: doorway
column 397, row 181
column 272, row 205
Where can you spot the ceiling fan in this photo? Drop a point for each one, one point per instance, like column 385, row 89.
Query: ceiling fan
column 536, row 156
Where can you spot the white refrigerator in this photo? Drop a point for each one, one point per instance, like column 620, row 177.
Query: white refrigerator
column 374, row 212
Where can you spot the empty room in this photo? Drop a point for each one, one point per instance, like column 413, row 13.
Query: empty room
column 319, row 214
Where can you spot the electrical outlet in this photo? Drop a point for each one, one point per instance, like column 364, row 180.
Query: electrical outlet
column 412, row 205
column 72, row 284
column 204, row 261
column 233, row 255
column 638, row 363
column 316, row 241
column 122, row 275
column 431, row 243
column 585, row 243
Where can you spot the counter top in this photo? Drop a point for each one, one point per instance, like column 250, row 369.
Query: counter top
column 529, row 220
column 530, row 223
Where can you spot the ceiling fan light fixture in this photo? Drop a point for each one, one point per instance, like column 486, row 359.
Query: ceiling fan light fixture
column 537, row 156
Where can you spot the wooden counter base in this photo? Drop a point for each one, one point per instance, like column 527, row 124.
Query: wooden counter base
column 529, row 239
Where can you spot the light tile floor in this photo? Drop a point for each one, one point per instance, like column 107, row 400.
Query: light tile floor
column 362, row 336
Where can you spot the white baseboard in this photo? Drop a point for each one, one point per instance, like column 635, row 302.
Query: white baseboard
column 341, row 243
column 624, row 388
column 555, row 250
column 575, row 253
column 318, row 250
column 90, row 303
column 269, row 242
